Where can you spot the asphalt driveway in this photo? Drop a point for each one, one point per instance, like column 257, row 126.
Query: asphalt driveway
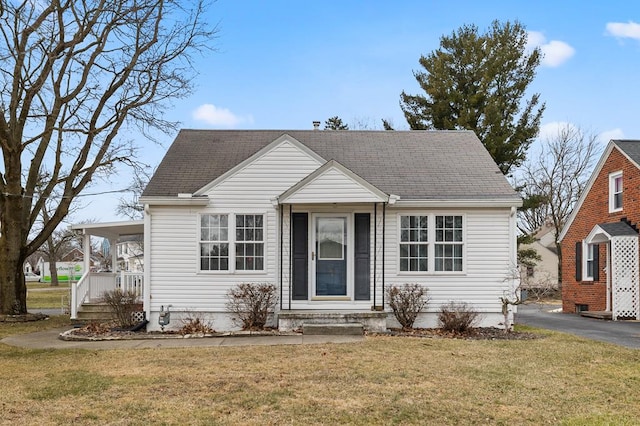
column 623, row 333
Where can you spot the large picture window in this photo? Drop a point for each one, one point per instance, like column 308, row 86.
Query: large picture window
column 448, row 247
column 232, row 242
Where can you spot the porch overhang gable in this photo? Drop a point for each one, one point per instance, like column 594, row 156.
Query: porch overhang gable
column 111, row 230
column 334, row 183
column 605, row 232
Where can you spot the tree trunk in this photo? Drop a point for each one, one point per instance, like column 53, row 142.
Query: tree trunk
column 559, row 249
column 53, row 270
column 13, row 289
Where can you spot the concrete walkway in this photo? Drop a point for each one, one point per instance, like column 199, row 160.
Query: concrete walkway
column 49, row 340
column 623, row 333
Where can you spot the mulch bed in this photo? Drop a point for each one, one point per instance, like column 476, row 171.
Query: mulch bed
column 478, row 333
column 108, row 331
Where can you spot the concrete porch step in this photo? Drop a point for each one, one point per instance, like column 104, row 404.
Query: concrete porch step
column 375, row 321
column 351, row 329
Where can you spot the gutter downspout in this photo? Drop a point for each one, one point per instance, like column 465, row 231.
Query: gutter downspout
column 146, row 303
column 281, row 257
column 384, row 223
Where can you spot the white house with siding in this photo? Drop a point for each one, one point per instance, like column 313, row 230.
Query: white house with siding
column 332, row 219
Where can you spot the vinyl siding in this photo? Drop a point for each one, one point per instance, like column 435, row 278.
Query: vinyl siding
column 488, row 268
column 175, row 277
column 332, row 186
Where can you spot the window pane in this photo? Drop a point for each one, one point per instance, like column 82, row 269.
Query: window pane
column 248, row 235
column 458, row 221
column 413, row 221
column 258, row 235
column 404, row 236
column 404, row 221
column 438, row 264
column 424, row 220
column 240, row 263
column 413, row 264
column 422, row 264
column 457, row 264
column 259, row 222
column 224, row 220
column 224, row 264
column 259, row 263
column 423, row 235
column 448, row 221
column 448, row 264
column 457, row 250
column 439, row 250
column 239, row 221
column 404, row 250
column 413, row 250
column 404, row 264
column 439, row 221
column 224, row 250
column 239, row 234
column 204, row 220
column 224, row 234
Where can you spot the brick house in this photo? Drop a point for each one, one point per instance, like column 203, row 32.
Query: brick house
column 600, row 239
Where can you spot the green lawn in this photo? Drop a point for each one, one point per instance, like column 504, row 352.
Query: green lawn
column 558, row 379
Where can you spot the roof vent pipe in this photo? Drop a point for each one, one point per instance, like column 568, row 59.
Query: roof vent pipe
column 316, row 125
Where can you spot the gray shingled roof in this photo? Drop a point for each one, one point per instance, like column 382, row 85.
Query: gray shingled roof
column 618, row 229
column 419, row 165
column 629, row 147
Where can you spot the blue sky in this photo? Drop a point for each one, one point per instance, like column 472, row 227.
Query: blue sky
column 281, row 64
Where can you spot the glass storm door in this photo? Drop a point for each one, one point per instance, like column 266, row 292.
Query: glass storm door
column 330, row 252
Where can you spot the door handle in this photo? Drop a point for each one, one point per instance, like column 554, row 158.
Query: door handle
column 313, row 255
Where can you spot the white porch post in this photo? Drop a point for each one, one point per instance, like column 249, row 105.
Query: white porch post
column 86, row 248
column 114, row 254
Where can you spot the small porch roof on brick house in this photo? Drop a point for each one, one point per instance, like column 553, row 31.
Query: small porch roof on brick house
column 603, row 232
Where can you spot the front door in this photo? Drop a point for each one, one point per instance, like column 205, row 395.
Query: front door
column 329, row 255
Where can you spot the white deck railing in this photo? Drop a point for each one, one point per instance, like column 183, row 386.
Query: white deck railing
column 92, row 286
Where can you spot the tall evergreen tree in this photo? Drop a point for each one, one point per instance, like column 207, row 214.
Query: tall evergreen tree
column 335, row 123
column 477, row 82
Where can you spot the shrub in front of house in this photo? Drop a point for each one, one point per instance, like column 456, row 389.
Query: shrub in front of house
column 407, row 301
column 251, row 303
column 122, row 305
column 457, row 317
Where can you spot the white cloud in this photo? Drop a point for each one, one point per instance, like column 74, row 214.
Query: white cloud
column 624, row 30
column 554, row 52
column 607, row 135
column 551, row 130
column 216, row 116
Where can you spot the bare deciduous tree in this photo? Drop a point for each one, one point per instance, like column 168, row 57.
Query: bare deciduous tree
column 75, row 75
column 556, row 177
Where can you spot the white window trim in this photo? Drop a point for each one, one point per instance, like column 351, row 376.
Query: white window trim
column 612, row 187
column 431, row 241
column 585, row 259
column 232, row 244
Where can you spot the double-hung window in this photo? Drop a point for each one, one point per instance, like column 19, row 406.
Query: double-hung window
column 414, row 243
column 214, row 242
column 448, row 247
column 589, row 262
column 431, row 243
column 615, row 192
column 249, row 242
column 232, row 242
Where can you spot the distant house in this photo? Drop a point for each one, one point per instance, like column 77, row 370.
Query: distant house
column 545, row 273
column 130, row 254
column 600, row 240
column 332, row 219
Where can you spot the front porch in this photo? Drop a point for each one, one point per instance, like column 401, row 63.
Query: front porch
column 88, row 291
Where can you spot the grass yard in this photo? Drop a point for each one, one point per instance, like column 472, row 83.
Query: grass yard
column 558, row 379
column 51, row 297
